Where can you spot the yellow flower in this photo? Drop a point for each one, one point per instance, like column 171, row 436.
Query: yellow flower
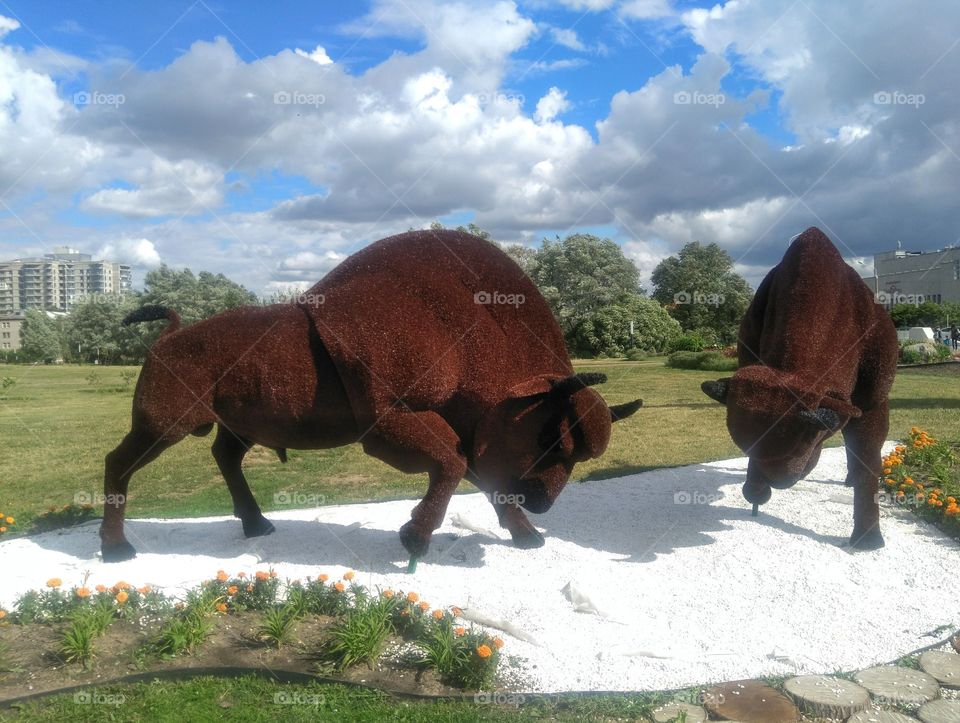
column 459, row 632
column 222, row 607
column 122, row 597
column 54, row 582
column 388, row 594
column 101, row 588
column 3, row 614
column 323, row 577
column 424, row 606
column 348, row 575
column 122, row 586
column 10, row 520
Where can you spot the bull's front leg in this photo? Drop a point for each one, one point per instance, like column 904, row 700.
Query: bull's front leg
column 512, row 518
column 420, row 442
column 864, row 437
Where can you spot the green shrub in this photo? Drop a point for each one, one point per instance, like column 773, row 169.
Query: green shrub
column 359, row 636
column 688, row 342
column 636, row 354
column 712, row 361
column 278, row 625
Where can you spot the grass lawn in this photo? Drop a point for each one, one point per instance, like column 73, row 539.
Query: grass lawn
column 57, row 427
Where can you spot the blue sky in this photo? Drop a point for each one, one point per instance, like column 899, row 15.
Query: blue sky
column 650, row 121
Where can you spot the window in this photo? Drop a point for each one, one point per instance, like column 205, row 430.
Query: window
column 6, row 335
column 956, row 270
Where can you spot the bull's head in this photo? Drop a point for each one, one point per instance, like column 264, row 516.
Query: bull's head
column 527, row 445
column 778, row 423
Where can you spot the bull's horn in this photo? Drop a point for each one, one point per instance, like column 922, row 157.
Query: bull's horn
column 717, row 390
column 622, row 411
column 576, row 382
column 822, row 417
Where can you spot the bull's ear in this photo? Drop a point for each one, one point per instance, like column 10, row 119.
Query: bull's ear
column 575, row 382
column 717, row 390
column 622, row 411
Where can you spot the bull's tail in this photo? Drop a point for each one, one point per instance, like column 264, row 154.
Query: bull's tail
column 153, row 312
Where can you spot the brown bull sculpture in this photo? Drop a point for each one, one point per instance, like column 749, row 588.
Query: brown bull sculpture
column 817, row 355
column 432, row 349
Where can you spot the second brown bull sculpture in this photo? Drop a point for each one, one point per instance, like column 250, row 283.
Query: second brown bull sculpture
column 817, row 355
column 432, row 349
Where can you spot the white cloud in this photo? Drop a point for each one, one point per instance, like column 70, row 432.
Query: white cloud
column 567, row 37
column 551, row 105
column 139, row 252
column 164, row 189
column 7, row 25
column 646, row 9
column 318, row 55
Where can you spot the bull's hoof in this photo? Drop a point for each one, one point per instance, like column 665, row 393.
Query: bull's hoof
column 872, row 539
column 257, row 527
column 416, row 543
column 117, row 551
column 528, row 539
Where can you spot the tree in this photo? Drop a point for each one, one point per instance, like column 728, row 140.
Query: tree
column 631, row 322
column 524, row 256
column 581, row 275
column 702, row 292
column 93, row 330
column 194, row 297
column 40, row 337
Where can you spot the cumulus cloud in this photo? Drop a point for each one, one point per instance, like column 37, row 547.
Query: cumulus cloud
column 139, row 252
column 318, row 55
column 551, row 105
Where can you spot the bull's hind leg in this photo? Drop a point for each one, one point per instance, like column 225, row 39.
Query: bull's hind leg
column 229, row 450
column 864, row 439
column 136, row 450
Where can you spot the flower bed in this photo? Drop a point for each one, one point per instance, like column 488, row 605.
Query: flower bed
column 924, row 475
column 362, row 622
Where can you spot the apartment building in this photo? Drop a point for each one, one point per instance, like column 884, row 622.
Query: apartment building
column 10, row 331
column 59, row 280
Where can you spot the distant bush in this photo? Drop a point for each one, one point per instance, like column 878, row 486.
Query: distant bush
column 924, row 353
column 636, row 354
column 688, row 342
column 712, row 361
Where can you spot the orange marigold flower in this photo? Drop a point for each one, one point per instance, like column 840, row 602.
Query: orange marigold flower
column 242, row 575
column 388, row 594
column 261, row 575
column 82, row 592
column 348, row 575
column 424, row 606
column 222, row 607
column 887, row 470
column 3, row 614
column 438, row 614
column 222, row 576
column 484, row 651
column 122, row 586
column 122, row 597
column 10, row 520
column 498, row 642
column 145, row 590
column 951, row 500
column 456, row 611
column 339, row 586
column 101, row 588
column 412, row 596
column 54, row 582
column 232, row 590
column 3, row 529
column 459, row 632
column 323, row 577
